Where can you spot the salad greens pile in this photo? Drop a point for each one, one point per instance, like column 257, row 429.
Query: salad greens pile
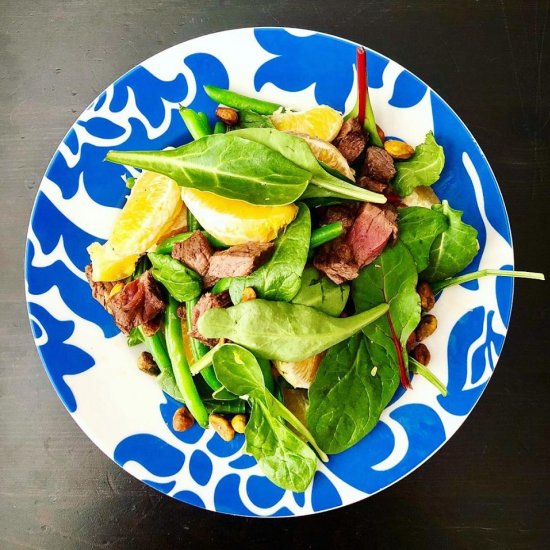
column 360, row 328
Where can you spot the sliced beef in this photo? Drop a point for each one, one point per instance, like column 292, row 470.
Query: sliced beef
column 351, row 141
column 378, row 165
column 372, row 185
column 195, row 253
column 207, row 301
column 371, row 232
column 100, row 290
column 335, row 258
column 340, row 260
column 139, row 302
column 239, row 260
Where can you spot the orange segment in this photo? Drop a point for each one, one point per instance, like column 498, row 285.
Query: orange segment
column 321, row 122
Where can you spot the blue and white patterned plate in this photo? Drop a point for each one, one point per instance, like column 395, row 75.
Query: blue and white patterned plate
column 94, row 372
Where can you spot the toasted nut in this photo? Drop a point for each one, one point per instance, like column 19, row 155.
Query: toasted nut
column 222, row 426
column 239, row 423
column 227, row 115
column 427, row 298
column 248, row 294
column 411, row 342
column 182, row 420
column 422, row 354
column 147, row 364
column 116, row 289
column 426, row 327
column 398, row 149
column 381, row 133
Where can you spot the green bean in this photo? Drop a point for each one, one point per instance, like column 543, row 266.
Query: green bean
column 195, row 124
column 221, row 285
column 220, row 127
column 205, row 122
column 130, row 182
column 158, row 351
column 166, row 246
column 199, row 350
column 192, row 222
column 238, row 101
column 180, row 367
column 236, row 406
column 216, row 243
column 326, row 233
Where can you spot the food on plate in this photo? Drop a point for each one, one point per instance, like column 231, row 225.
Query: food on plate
column 294, row 300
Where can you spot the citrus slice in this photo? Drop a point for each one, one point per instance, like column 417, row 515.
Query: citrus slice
column 149, row 211
column 152, row 210
column 322, row 122
column 237, row 222
column 329, row 154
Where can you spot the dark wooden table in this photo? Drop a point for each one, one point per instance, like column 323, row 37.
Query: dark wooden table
column 489, row 486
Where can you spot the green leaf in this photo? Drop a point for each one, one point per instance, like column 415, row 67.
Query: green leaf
column 423, row 168
column 182, row 283
column 420, row 369
column 418, row 228
column 280, row 277
column 348, row 395
column 391, row 279
column 226, row 165
column 281, row 331
column 452, row 250
column 321, row 293
column 295, row 149
column 284, row 458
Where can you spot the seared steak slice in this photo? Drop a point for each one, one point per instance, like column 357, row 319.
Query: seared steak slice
column 340, row 260
column 195, row 253
column 351, row 141
column 100, row 290
column 139, row 302
column 344, row 213
column 150, row 328
column 372, row 185
column 207, row 301
column 239, row 260
column 371, row 232
column 378, row 165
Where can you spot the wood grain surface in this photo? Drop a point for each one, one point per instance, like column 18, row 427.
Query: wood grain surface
column 489, row 486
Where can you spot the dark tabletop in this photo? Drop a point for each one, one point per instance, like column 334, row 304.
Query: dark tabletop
column 489, row 486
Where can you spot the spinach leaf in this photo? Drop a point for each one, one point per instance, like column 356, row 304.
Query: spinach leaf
column 281, row 331
column 251, row 119
column 348, row 395
column 391, row 279
column 418, row 228
column 296, row 150
column 452, row 250
column 321, row 293
column 285, row 459
column 423, row 168
column 280, row 277
column 226, row 165
column 182, row 283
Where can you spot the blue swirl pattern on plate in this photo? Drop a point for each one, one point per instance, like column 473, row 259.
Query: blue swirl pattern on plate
column 139, row 111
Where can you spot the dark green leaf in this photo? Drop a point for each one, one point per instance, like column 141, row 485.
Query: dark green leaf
column 226, row 165
column 348, row 395
column 281, row 331
column 423, row 168
column 452, row 250
column 182, row 283
column 280, row 277
column 321, row 293
column 418, row 228
column 391, row 279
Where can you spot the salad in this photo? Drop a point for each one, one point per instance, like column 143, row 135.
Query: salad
column 280, row 270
